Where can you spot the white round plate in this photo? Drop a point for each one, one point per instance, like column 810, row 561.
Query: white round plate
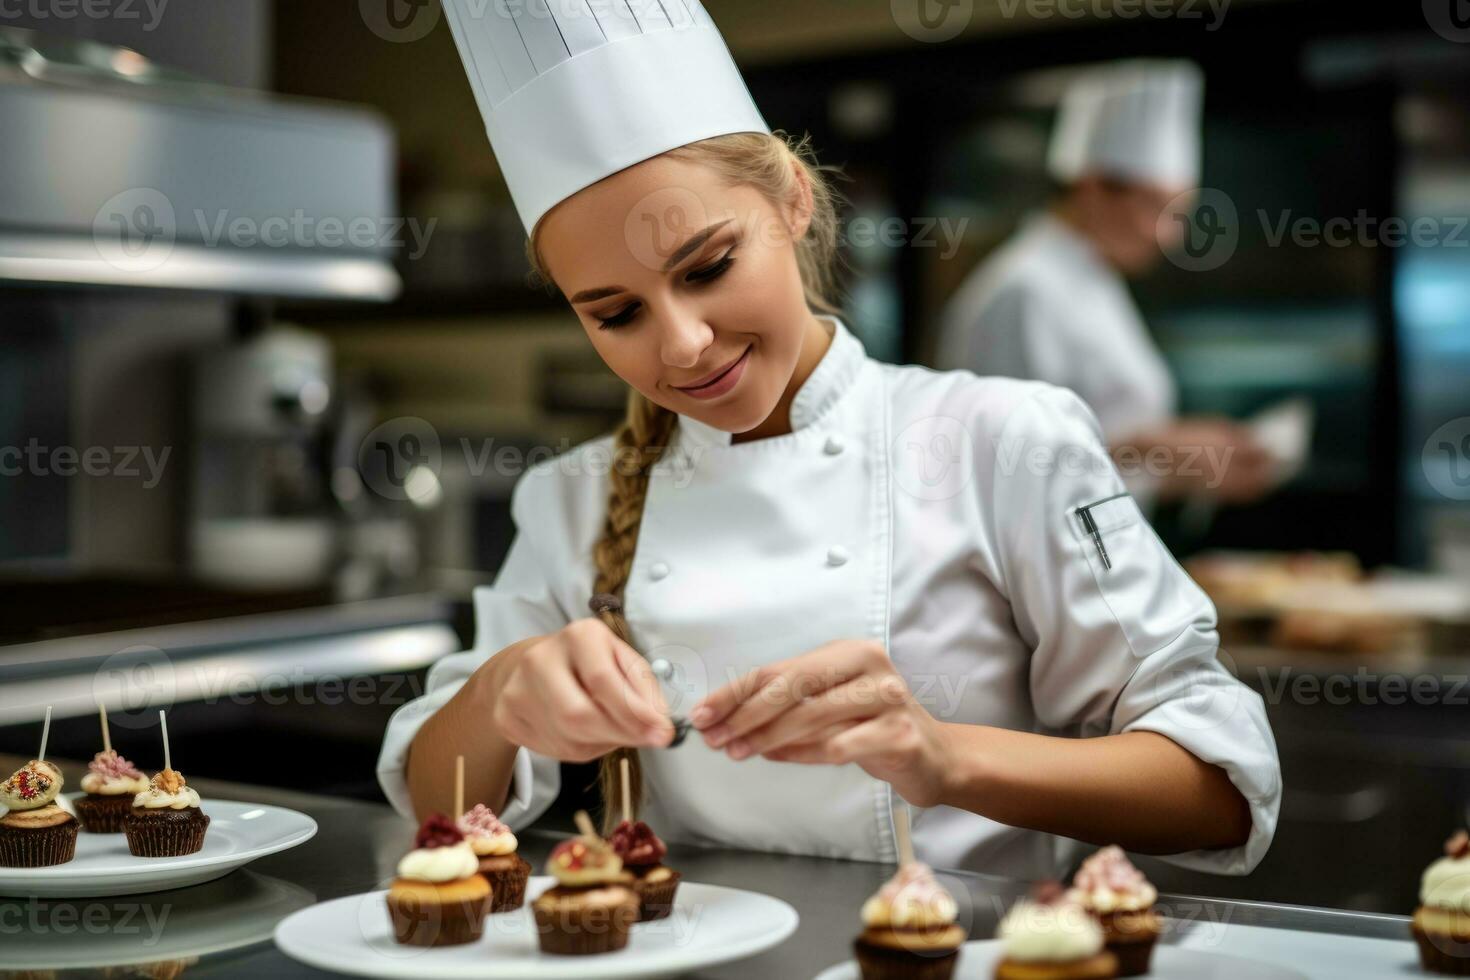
column 978, row 961
column 709, row 925
column 238, row 834
column 91, row 934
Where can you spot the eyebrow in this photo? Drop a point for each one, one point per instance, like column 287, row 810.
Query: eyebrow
column 680, row 254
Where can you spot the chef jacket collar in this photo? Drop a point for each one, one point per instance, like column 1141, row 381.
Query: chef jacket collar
column 1075, row 246
column 828, row 382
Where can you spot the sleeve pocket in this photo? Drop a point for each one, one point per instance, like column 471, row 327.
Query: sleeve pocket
column 1152, row 599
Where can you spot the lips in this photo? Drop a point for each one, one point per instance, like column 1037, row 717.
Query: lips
column 711, row 379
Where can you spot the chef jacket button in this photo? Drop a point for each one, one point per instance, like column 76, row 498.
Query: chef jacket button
column 658, row 570
column 837, row 555
column 834, row 446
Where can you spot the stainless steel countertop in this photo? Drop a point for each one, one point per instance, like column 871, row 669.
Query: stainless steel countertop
column 359, row 844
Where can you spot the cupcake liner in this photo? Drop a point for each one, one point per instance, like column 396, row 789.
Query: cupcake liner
column 656, row 898
column 430, row 923
column 102, row 814
column 568, row 928
column 508, row 886
column 165, row 833
column 1443, row 953
column 38, row 848
column 1133, row 957
column 885, row 963
column 1103, row 966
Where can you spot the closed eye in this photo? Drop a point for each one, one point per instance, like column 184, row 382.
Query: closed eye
column 712, row 271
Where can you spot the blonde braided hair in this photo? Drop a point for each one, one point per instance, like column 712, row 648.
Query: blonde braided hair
column 769, row 163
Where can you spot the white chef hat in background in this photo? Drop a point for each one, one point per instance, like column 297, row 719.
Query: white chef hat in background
column 573, row 91
column 1138, row 120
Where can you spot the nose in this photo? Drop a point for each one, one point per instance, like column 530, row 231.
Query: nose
column 683, row 338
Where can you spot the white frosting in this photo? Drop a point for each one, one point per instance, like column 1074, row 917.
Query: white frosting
column 113, row 785
column 1446, row 884
column 1104, row 900
column 1060, row 933
column 154, row 798
column 439, row 864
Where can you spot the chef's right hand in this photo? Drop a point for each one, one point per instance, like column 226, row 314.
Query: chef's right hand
column 576, row 694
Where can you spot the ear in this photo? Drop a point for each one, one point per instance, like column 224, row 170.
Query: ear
column 798, row 210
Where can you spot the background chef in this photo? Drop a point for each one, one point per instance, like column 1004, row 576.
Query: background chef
column 1052, row 304
column 871, row 580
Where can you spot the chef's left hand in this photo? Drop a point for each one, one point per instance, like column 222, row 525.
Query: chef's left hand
column 842, row 702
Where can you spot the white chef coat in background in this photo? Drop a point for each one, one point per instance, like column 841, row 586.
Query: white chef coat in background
column 934, row 512
column 1047, row 307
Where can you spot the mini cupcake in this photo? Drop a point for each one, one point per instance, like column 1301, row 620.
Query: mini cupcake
column 165, row 819
column 909, row 929
column 1442, row 921
column 1121, row 899
column 495, row 846
column 642, row 854
column 592, row 905
column 111, row 784
column 439, row 897
column 35, row 832
column 1050, row 937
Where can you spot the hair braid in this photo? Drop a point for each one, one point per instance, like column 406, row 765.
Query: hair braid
column 638, row 444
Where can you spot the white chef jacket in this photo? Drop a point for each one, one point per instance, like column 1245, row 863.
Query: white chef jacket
column 1047, row 307
column 936, row 512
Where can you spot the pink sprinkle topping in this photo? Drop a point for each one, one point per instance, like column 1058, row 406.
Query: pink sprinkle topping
column 916, row 883
column 110, row 765
column 481, row 821
column 1109, row 870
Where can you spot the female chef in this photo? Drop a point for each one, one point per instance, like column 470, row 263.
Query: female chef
column 868, row 580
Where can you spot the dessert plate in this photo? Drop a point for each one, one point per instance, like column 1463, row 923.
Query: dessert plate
column 238, row 834
column 710, row 924
column 978, row 960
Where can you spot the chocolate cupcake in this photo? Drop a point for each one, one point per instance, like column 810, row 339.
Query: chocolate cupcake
column 642, row 854
column 1051, row 937
column 495, row 846
column 165, row 819
column 910, row 929
column 1122, row 900
column 111, row 784
column 592, row 905
column 34, row 831
column 1441, row 923
column 439, row 897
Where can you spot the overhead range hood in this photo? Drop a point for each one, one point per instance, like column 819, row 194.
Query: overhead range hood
column 116, row 172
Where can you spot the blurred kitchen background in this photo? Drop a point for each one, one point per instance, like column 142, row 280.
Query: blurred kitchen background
column 269, row 365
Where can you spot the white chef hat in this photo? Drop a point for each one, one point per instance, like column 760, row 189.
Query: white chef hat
column 573, row 91
column 1138, row 120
